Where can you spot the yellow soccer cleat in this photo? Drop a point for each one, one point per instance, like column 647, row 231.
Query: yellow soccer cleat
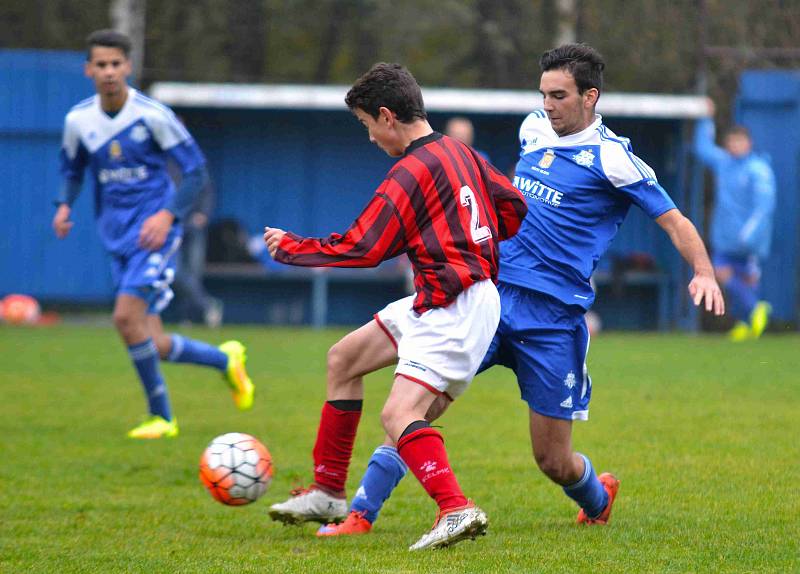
column 740, row 332
column 155, row 426
column 759, row 318
column 242, row 387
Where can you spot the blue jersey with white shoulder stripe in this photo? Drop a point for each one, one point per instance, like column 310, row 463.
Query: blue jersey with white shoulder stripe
column 127, row 157
column 579, row 189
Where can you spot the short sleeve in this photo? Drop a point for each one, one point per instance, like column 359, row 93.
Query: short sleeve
column 632, row 177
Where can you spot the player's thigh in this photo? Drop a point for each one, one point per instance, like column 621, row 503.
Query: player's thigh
column 362, row 351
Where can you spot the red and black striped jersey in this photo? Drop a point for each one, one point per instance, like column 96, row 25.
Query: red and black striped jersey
column 443, row 205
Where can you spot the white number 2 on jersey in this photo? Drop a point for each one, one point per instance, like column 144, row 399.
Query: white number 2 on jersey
column 479, row 234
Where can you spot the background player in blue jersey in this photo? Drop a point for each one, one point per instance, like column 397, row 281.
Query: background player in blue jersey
column 124, row 139
column 580, row 179
column 741, row 223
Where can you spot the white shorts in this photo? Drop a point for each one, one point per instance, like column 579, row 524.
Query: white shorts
column 443, row 348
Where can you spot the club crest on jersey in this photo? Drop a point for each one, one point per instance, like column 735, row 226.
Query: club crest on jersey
column 115, row 150
column 139, row 134
column 547, row 159
column 584, row 158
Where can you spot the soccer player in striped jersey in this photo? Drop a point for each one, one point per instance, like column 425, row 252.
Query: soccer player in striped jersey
column 445, row 207
column 124, row 138
column 580, row 179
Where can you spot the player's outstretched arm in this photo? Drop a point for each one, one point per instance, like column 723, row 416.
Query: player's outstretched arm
column 703, row 286
column 376, row 235
column 61, row 222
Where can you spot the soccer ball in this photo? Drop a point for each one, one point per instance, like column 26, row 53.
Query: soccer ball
column 19, row 309
column 236, row 468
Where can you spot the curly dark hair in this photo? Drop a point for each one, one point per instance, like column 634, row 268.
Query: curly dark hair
column 583, row 62
column 390, row 86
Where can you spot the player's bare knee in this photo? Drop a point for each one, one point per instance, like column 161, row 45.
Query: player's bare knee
column 338, row 363
column 124, row 321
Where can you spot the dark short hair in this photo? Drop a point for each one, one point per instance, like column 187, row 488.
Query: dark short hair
column 108, row 39
column 737, row 130
column 390, row 86
column 583, row 62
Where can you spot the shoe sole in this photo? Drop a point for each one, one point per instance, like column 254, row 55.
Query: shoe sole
column 292, row 519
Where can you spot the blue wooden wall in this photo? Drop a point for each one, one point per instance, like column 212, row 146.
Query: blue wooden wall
column 769, row 106
column 312, row 171
column 37, row 88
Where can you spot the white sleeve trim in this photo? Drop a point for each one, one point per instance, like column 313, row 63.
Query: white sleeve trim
column 623, row 167
column 71, row 138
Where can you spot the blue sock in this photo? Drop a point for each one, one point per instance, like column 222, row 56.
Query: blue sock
column 588, row 492
column 742, row 297
column 384, row 471
column 145, row 358
column 185, row 350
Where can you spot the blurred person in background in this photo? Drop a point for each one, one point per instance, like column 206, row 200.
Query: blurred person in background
column 741, row 222
column 125, row 138
column 461, row 128
column 194, row 303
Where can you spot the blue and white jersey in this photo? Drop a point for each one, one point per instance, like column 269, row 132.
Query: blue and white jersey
column 127, row 156
column 579, row 189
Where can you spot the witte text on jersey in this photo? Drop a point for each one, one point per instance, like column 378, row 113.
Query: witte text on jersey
column 535, row 189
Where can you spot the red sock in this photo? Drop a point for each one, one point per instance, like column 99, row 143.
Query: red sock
column 334, row 447
column 424, row 453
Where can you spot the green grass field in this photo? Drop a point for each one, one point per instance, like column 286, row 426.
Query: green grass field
column 703, row 434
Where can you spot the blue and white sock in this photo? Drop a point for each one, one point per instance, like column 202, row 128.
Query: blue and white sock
column 185, row 350
column 384, row 471
column 742, row 298
column 588, row 492
column 145, row 358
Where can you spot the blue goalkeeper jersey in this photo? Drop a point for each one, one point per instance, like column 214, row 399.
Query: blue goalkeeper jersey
column 579, row 189
column 127, row 156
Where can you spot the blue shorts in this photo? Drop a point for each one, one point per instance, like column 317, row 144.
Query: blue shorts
column 545, row 342
column 742, row 265
column 148, row 274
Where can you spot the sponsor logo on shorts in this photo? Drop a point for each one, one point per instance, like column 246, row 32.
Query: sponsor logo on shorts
column 415, row 365
column 567, row 403
column 569, row 380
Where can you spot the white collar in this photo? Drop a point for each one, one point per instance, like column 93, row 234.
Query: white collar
column 582, row 135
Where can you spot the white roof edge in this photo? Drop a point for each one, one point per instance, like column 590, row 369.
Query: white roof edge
column 310, row 97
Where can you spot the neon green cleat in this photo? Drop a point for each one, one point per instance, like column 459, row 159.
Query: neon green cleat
column 155, row 426
column 740, row 332
column 759, row 318
column 242, row 387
